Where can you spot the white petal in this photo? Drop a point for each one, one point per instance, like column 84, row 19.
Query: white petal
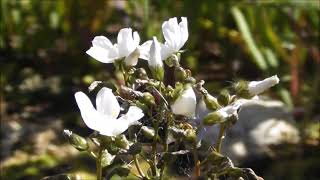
column 185, row 104
column 145, row 49
column 134, row 114
column 183, row 31
column 125, row 42
column 166, row 51
column 257, row 87
column 132, row 59
column 107, row 104
column 103, row 55
column 91, row 117
column 136, row 38
column 155, row 54
column 171, row 33
column 113, row 127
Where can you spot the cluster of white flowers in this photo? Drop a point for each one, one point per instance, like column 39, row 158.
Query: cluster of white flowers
column 104, row 118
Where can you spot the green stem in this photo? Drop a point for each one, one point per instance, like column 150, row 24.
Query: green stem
column 196, row 160
column 98, row 164
column 154, row 149
column 136, row 162
column 220, row 137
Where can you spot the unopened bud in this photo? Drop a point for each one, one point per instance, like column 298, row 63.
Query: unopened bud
column 190, row 135
column 148, row 132
column 76, row 141
column 122, row 142
column 180, row 74
column 106, row 158
column 190, row 80
column 148, row 99
column 213, row 118
column 173, row 60
column 211, row 102
column 157, row 72
column 224, row 98
column 141, row 73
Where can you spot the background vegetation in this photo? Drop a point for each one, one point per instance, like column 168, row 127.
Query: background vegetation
column 43, row 62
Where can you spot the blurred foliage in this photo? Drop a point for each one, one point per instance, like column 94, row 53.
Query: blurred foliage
column 43, row 44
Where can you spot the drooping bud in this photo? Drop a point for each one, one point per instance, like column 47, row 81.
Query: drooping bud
column 186, row 103
column 180, row 74
column 132, row 59
column 213, row 118
column 148, row 99
column 148, row 132
column 76, row 141
column 211, row 102
column 155, row 62
column 224, row 97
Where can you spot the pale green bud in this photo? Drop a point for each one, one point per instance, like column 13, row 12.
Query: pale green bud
column 122, row 142
column 213, row 118
column 211, row 102
column 180, row 74
column 148, row 132
column 148, row 99
column 76, row 141
column 224, row 98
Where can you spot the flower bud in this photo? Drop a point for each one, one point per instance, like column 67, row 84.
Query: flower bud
column 224, row 98
column 141, row 73
column 190, row 135
column 148, row 99
column 249, row 89
column 190, row 80
column 211, row 102
column 185, row 104
column 132, row 59
column 180, row 74
column 76, row 141
column 148, row 132
column 122, row 142
column 213, row 118
column 173, row 60
column 155, row 62
column 106, row 158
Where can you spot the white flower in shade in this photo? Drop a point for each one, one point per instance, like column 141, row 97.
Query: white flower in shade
column 104, row 118
column 127, row 47
column 257, row 87
column 185, row 104
column 175, row 35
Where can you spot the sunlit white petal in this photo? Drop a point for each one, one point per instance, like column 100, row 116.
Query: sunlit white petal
column 185, row 104
column 107, row 103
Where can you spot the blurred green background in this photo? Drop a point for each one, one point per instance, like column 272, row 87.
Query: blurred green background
column 43, row 62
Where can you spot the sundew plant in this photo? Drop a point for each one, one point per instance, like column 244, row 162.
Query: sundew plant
column 154, row 119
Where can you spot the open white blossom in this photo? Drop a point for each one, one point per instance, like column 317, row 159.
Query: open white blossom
column 127, row 47
column 185, row 104
column 175, row 35
column 104, row 118
column 257, row 87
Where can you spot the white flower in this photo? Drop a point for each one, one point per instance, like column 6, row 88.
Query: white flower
column 103, row 118
column 185, row 104
column 257, row 87
column 175, row 35
column 127, row 46
column 155, row 54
